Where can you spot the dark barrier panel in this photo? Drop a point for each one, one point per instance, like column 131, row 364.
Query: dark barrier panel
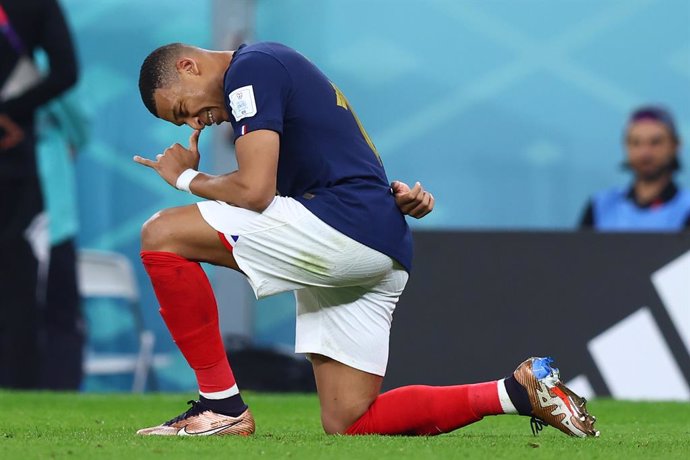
column 478, row 303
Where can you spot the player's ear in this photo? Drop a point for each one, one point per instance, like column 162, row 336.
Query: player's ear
column 187, row 65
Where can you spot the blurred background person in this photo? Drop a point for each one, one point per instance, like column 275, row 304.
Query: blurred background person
column 25, row 27
column 62, row 131
column 653, row 202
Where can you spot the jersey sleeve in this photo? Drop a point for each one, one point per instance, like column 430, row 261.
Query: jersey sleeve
column 256, row 91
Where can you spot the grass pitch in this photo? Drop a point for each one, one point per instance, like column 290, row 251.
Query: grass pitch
column 97, row 426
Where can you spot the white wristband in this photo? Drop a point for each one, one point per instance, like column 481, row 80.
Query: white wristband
column 185, row 179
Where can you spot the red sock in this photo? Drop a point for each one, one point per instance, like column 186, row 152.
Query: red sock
column 427, row 410
column 188, row 307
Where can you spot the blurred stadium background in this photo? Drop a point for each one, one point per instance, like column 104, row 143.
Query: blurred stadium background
column 510, row 111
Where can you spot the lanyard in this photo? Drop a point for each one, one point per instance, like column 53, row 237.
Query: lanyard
column 8, row 31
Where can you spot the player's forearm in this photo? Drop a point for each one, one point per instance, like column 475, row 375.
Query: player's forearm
column 235, row 189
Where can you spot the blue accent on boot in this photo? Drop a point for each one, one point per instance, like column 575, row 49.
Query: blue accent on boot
column 541, row 367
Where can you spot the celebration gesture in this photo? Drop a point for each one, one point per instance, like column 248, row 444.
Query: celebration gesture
column 415, row 202
column 175, row 159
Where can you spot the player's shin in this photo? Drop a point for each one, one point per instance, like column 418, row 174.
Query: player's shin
column 188, row 307
column 429, row 410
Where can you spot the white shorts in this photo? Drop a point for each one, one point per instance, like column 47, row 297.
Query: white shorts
column 345, row 291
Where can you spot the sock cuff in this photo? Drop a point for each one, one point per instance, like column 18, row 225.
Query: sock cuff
column 518, row 396
column 229, row 405
column 506, row 404
column 232, row 391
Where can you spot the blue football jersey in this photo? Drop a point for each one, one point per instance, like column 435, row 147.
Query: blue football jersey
column 327, row 161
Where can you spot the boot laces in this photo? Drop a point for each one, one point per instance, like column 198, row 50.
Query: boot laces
column 196, row 409
column 537, row 425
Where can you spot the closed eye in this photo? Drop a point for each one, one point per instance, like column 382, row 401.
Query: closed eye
column 178, row 115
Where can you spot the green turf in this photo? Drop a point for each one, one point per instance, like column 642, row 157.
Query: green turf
column 49, row 425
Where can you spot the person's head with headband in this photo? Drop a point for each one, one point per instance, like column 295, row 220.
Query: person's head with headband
column 652, row 143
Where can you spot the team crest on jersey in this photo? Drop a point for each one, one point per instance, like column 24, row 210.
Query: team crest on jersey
column 242, row 102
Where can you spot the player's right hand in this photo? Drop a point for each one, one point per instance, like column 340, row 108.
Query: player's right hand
column 175, row 159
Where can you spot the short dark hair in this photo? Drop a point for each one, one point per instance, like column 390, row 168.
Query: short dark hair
column 157, row 71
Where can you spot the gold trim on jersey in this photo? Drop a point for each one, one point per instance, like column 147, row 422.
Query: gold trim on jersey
column 341, row 101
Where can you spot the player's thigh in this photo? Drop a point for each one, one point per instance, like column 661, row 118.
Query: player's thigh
column 346, row 334
column 350, row 324
column 183, row 231
column 345, row 393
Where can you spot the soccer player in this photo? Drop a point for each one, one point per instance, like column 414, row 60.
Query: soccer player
column 310, row 210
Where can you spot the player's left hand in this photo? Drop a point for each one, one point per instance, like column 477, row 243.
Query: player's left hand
column 175, row 159
column 415, row 201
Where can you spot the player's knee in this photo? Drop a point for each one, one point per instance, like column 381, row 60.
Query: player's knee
column 337, row 422
column 155, row 233
column 331, row 425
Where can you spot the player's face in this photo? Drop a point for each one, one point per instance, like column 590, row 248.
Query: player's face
column 651, row 148
column 194, row 100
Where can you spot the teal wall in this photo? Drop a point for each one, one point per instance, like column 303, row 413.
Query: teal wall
column 511, row 111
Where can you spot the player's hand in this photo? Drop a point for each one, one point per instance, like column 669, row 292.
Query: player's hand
column 415, row 202
column 175, row 159
column 13, row 134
